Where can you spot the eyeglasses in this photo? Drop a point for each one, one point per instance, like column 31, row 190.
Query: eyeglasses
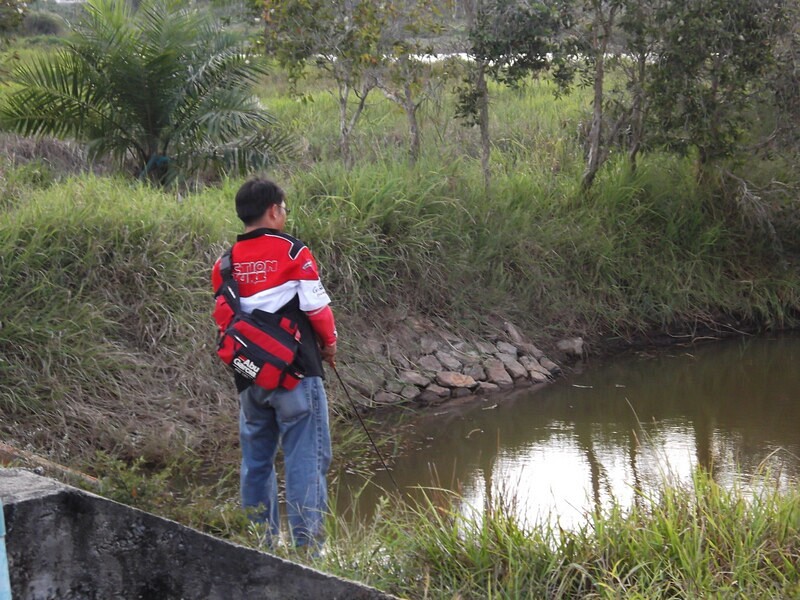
column 283, row 206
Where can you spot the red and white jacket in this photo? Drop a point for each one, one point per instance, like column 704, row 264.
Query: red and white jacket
column 272, row 268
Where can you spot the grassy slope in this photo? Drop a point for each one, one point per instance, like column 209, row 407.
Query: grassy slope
column 106, row 336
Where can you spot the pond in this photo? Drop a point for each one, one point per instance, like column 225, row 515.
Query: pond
column 560, row 451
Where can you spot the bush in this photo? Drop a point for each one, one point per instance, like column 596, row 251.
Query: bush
column 42, row 23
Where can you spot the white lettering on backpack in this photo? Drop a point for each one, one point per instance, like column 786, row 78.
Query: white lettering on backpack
column 245, row 366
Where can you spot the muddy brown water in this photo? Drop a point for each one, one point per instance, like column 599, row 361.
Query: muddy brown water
column 558, row 452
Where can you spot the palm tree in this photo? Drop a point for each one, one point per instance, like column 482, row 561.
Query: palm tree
column 163, row 86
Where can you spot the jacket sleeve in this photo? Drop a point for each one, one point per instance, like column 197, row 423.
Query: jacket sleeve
column 324, row 325
column 311, row 292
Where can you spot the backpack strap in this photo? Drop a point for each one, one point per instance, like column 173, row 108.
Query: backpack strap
column 229, row 288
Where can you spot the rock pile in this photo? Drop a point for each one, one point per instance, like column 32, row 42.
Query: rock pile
column 466, row 369
column 439, row 366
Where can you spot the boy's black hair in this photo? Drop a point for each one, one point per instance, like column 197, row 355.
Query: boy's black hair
column 255, row 197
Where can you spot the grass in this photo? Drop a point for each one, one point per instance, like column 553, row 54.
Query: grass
column 106, row 358
column 117, row 276
column 697, row 540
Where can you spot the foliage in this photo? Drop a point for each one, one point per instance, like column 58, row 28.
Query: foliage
column 12, row 12
column 518, row 39
column 341, row 37
column 713, row 59
column 164, row 87
column 42, row 23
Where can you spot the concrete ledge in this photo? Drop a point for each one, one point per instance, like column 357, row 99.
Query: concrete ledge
column 64, row 543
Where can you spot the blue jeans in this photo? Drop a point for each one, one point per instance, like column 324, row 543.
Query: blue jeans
column 296, row 420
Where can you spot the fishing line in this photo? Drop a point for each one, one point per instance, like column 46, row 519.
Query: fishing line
column 371, row 441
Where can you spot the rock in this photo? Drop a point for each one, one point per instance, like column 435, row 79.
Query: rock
column 572, row 347
column 513, row 333
column 433, row 394
column 366, row 377
column 449, row 362
column 473, row 358
column 461, row 392
column 452, row 379
column 429, row 345
column 533, row 366
column 496, row 373
column 550, row 365
column 484, row 387
column 475, row 371
column 506, row 348
column 485, row 348
column 429, row 363
column 538, row 377
column 384, row 398
column 414, row 378
column 394, row 386
column 409, row 392
column 465, row 348
column 372, row 347
column 428, row 397
column 530, row 350
column 513, row 366
column 401, row 362
column 440, row 391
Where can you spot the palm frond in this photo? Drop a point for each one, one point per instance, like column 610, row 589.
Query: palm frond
column 163, row 82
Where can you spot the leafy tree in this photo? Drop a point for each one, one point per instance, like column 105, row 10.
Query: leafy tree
column 640, row 40
column 784, row 86
column 163, row 87
column 404, row 78
column 612, row 36
column 714, row 57
column 12, row 12
column 341, row 37
column 508, row 40
column 602, row 17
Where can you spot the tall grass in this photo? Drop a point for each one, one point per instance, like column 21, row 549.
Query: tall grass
column 105, row 299
column 104, row 319
column 698, row 540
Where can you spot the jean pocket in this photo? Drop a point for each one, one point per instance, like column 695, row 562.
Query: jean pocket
column 291, row 406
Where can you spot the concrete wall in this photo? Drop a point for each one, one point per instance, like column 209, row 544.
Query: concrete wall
column 64, row 543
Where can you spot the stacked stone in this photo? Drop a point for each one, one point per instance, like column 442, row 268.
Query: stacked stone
column 458, row 369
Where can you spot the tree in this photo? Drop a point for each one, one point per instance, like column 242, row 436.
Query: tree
column 404, row 78
column 341, row 37
column 508, row 40
column 603, row 19
column 612, row 35
column 164, row 87
column 714, row 57
column 12, row 12
column 640, row 34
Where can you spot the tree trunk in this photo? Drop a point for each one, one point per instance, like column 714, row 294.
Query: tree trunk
column 344, row 129
column 596, row 131
column 483, row 117
column 602, row 32
column 637, row 111
column 413, row 125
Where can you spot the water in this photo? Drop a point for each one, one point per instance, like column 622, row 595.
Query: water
column 732, row 407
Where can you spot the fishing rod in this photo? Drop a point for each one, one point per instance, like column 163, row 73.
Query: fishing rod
column 371, row 441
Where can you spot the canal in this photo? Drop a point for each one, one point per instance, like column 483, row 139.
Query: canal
column 605, row 430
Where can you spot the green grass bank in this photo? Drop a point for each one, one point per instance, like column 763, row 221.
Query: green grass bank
column 106, row 333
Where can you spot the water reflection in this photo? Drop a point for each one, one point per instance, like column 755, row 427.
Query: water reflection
column 558, row 452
